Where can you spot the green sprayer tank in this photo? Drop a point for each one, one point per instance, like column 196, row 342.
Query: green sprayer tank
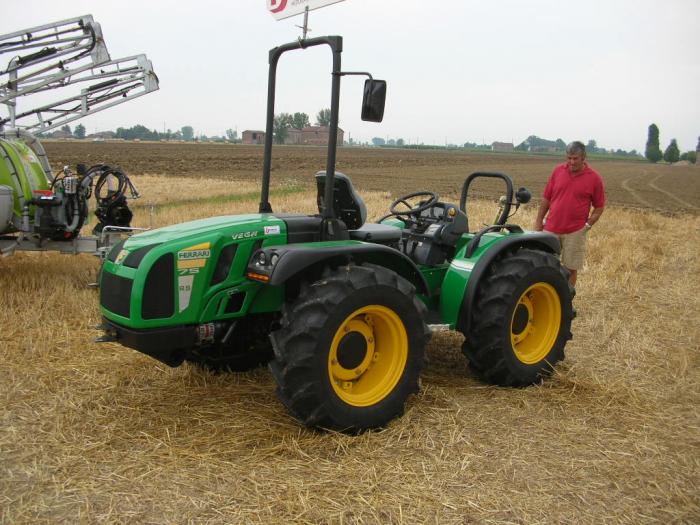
column 21, row 176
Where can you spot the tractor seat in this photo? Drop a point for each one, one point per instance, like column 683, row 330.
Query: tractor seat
column 349, row 207
column 378, row 233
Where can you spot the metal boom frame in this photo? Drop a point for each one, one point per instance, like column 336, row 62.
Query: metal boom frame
column 72, row 52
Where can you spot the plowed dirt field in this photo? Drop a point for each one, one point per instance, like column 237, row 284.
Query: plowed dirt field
column 635, row 184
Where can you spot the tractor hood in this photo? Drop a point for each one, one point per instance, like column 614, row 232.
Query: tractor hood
column 254, row 225
column 188, row 273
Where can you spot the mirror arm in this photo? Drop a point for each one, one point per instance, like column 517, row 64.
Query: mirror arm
column 359, row 73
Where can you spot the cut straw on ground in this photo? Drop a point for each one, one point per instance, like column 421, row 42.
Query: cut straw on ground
column 99, row 433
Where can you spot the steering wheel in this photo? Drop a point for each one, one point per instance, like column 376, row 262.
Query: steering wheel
column 415, row 210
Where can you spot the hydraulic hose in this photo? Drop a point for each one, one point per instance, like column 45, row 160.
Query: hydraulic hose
column 77, row 215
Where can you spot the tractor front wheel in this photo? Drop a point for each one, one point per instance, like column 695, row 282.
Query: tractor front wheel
column 350, row 349
column 521, row 319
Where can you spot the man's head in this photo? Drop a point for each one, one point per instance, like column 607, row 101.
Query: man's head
column 575, row 156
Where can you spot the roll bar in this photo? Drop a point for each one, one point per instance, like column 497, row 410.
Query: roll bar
column 336, row 45
column 491, row 175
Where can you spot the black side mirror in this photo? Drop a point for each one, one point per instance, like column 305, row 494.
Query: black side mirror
column 373, row 100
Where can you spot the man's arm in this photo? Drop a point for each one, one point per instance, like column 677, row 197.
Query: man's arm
column 541, row 213
column 594, row 216
column 597, row 203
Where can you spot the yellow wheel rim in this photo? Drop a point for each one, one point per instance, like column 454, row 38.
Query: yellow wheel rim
column 368, row 355
column 535, row 323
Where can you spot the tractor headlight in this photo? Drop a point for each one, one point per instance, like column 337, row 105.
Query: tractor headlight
column 262, row 264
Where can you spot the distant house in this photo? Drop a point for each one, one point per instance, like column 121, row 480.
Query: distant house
column 253, row 137
column 312, row 136
column 102, row 135
column 60, row 134
column 502, row 146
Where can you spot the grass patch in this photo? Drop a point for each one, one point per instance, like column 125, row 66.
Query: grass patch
column 223, row 199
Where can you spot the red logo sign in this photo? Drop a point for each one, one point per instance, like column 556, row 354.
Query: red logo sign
column 280, row 9
column 275, row 6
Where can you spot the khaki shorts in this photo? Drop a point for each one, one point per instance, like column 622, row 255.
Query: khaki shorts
column 573, row 248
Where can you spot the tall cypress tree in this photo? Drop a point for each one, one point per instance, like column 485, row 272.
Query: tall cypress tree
column 672, row 154
column 653, row 152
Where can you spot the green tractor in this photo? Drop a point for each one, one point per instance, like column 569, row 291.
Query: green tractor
column 339, row 308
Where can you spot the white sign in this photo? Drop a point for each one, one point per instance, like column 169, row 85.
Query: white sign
column 285, row 8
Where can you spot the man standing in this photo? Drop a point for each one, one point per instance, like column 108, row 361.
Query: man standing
column 572, row 202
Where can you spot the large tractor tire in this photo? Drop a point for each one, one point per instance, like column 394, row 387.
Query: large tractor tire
column 350, row 349
column 521, row 319
column 249, row 347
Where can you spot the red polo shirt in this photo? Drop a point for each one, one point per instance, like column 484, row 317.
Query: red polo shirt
column 570, row 198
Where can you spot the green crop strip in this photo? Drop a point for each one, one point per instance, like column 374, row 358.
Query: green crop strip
column 222, row 199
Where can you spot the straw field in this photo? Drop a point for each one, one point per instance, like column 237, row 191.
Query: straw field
column 99, row 433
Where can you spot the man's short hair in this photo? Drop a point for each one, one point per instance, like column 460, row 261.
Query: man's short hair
column 576, row 147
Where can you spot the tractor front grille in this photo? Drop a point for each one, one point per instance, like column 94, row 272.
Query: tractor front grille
column 115, row 293
column 159, row 290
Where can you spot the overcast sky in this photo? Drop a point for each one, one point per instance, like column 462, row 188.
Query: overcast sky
column 457, row 70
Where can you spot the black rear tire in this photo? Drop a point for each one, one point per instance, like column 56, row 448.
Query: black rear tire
column 521, row 319
column 350, row 349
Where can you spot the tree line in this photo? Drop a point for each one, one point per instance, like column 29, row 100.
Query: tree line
column 671, row 153
column 536, row 144
column 141, row 132
column 532, row 144
column 283, row 122
column 78, row 132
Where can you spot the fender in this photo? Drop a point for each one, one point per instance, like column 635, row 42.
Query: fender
column 537, row 240
column 274, row 265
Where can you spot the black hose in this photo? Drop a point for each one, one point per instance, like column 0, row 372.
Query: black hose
column 112, row 208
column 124, row 183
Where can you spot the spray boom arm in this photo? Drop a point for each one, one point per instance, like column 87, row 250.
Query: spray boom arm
column 73, row 41
column 121, row 80
column 70, row 52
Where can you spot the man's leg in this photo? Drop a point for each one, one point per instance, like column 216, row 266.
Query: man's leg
column 573, row 251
